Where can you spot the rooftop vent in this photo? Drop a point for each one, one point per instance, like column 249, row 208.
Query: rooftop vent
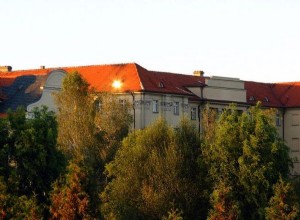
column 5, row 68
column 199, row 73
column 42, row 67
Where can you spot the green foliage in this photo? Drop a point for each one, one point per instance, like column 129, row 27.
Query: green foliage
column 69, row 200
column 149, row 176
column 112, row 121
column 247, row 155
column 30, row 161
column 283, row 204
column 174, row 214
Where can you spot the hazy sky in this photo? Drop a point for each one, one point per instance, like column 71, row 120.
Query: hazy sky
column 255, row 40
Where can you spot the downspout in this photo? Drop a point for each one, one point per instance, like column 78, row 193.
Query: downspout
column 133, row 107
column 199, row 110
column 283, row 117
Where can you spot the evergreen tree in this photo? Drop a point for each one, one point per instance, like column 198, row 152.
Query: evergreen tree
column 283, row 204
column 69, row 200
column 247, row 155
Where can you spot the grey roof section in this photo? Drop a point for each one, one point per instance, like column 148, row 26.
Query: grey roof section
column 24, row 91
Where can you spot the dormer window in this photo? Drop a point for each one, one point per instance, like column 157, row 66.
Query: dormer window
column 252, row 98
column 267, row 99
column 161, row 85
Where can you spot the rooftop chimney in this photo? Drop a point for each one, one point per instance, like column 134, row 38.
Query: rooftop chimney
column 199, row 73
column 42, row 67
column 5, row 68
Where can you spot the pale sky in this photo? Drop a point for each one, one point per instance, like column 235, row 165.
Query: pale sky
column 256, row 40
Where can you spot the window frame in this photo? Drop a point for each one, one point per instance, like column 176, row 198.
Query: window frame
column 295, row 119
column 176, row 108
column 193, row 113
column 155, row 106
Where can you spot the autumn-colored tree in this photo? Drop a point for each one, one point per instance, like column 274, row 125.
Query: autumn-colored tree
column 224, row 205
column 91, row 126
column 76, row 133
column 283, row 204
column 68, row 198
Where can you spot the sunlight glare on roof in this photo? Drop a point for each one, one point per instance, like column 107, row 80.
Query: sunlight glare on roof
column 117, row 84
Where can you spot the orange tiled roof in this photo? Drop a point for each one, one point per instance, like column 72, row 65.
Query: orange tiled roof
column 132, row 76
column 136, row 78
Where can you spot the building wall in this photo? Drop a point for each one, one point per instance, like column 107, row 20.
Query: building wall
column 218, row 89
column 53, row 84
column 224, row 89
column 145, row 113
column 292, row 135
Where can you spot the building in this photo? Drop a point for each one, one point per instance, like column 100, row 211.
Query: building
column 159, row 94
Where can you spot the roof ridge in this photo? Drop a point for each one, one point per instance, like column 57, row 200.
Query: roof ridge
column 69, row 67
column 138, row 73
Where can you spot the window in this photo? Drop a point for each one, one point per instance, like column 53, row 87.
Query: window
column 98, row 105
column 278, row 120
column 295, row 145
column 122, row 102
column 240, row 112
column 193, row 113
column 176, row 108
column 267, row 99
column 161, row 85
column 155, row 106
column 295, row 119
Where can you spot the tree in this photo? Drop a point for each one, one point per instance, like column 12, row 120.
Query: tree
column 89, row 134
column 152, row 174
column 247, row 155
column 75, row 117
column 30, row 161
column 283, row 204
column 112, row 121
column 224, row 205
column 91, row 125
column 69, row 200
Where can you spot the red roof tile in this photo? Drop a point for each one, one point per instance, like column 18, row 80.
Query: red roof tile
column 137, row 78
column 262, row 92
column 168, row 82
column 288, row 93
column 132, row 76
column 101, row 77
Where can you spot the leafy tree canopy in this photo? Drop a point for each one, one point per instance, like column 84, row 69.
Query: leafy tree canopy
column 246, row 154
